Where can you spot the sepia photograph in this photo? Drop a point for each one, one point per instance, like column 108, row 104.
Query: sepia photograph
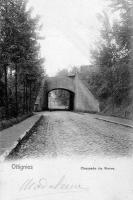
column 66, row 99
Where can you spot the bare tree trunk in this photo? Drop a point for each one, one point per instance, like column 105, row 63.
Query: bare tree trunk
column 16, row 88
column 24, row 97
column 5, row 71
column 30, row 103
column 6, row 92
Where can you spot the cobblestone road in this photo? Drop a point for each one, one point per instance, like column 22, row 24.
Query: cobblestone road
column 68, row 133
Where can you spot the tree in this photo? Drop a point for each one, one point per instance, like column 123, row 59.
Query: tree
column 111, row 59
column 123, row 32
column 19, row 43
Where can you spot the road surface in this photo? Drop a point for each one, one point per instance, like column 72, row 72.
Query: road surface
column 79, row 134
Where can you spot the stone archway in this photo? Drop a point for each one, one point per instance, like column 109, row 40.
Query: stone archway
column 83, row 100
column 70, row 100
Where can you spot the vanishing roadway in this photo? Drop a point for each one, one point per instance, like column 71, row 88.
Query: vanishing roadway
column 63, row 133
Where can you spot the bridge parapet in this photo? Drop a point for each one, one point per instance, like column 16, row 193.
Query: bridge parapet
column 84, row 100
column 63, row 82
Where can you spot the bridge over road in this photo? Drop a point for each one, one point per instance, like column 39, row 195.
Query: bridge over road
column 81, row 98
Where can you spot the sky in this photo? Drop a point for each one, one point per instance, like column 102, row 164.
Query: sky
column 70, row 28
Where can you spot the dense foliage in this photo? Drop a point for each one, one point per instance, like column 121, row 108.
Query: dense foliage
column 20, row 65
column 110, row 81
column 113, row 57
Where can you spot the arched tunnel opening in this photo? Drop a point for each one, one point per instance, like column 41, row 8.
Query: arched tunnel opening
column 60, row 99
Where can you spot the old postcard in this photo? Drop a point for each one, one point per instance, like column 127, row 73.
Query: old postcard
column 66, row 99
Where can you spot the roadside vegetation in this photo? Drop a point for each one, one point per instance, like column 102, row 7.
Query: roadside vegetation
column 21, row 67
column 109, row 77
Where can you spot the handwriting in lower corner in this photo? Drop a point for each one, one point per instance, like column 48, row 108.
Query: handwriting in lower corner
column 43, row 184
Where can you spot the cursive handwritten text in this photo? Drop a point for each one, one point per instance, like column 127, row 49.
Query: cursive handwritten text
column 43, row 183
